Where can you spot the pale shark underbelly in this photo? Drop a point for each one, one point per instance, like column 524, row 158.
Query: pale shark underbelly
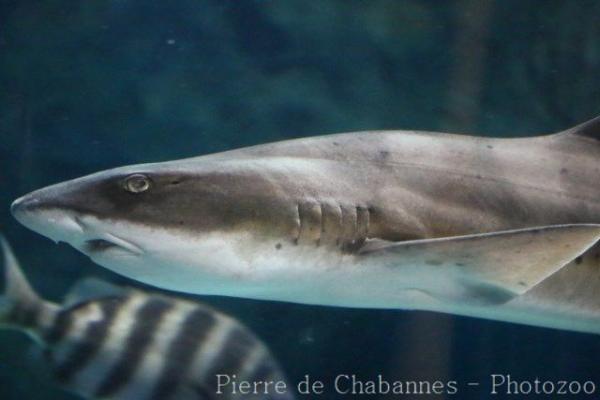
column 568, row 299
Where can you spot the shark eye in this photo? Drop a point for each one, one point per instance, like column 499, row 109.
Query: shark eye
column 137, row 183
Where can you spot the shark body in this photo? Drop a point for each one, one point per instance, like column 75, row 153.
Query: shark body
column 505, row 229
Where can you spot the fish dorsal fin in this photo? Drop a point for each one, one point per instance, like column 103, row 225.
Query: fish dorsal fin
column 488, row 268
column 90, row 289
column 589, row 129
column 17, row 288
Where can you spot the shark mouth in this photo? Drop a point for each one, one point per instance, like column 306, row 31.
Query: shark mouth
column 110, row 242
column 97, row 245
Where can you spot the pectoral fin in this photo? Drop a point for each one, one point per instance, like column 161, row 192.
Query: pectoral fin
column 490, row 268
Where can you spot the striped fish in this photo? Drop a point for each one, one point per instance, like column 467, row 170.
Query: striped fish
column 128, row 344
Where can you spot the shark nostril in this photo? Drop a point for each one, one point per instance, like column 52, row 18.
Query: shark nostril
column 21, row 204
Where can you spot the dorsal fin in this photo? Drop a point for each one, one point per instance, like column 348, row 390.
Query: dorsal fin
column 589, row 129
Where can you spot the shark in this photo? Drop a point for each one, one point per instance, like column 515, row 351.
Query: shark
column 497, row 228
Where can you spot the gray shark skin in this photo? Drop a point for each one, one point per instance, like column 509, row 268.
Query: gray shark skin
column 504, row 229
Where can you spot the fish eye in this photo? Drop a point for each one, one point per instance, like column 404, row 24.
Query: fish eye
column 137, row 183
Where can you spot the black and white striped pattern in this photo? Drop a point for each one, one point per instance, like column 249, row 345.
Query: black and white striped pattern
column 139, row 346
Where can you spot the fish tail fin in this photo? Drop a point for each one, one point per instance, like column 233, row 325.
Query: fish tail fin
column 589, row 129
column 20, row 306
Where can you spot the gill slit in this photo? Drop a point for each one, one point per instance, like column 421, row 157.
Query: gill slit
column 340, row 231
column 299, row 223
column 368, row 222
column 322, row 222
column 359, row 222
column 355, row 226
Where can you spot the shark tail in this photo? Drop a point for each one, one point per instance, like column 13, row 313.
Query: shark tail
column 20, row 306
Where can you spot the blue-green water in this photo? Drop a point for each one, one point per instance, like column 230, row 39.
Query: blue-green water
column 91, row 85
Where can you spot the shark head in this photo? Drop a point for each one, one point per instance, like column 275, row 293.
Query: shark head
column 176, row 225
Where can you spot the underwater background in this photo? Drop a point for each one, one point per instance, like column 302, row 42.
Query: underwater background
column 91, row 85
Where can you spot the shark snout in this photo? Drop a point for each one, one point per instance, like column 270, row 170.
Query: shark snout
column 41, row 212
column 53, row 209
column 34, row 201
column 57, row 213
column 25, row 207
column 53, row 196
column 22, row 205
